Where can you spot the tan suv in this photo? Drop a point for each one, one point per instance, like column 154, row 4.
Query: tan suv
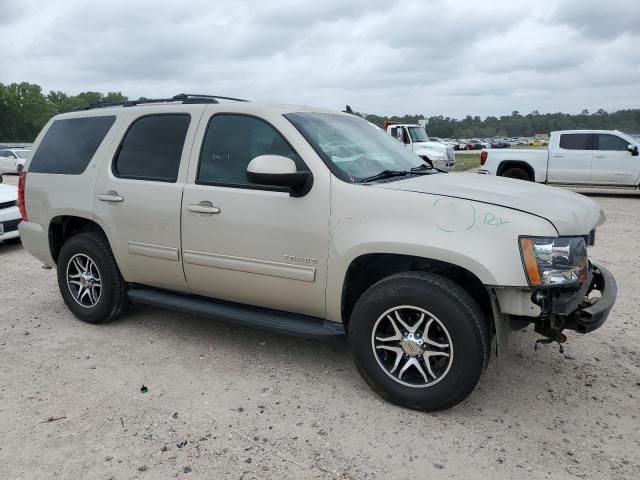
column 309, row 222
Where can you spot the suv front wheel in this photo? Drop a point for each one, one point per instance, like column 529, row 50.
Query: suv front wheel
column 419, row 340
column 89, row 279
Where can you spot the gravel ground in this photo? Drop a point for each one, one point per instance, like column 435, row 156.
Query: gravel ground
column 229, row 402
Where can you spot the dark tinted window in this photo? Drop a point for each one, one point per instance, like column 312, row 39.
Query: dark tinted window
column 232, row 141
column 152, row 148
column 69, row 145
column 575, row 141
column 611, row 142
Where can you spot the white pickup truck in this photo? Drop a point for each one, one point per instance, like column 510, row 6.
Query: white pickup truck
column 415, row 138
column 574, row 157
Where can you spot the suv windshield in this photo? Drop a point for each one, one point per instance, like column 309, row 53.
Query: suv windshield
column 353, row 148
column 418, row 134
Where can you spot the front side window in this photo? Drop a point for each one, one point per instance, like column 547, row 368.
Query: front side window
column 152, row 148
column 351, row 146
column 70, row 144
column 611, row 142
column 418, row 134
column 575, row 141
column 232, row 141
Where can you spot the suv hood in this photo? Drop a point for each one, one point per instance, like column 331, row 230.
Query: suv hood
column 570, row 213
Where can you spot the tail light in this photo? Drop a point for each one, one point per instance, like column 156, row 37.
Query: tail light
column 483, row 157
column 21, row 205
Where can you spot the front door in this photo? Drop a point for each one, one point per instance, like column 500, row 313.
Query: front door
column 613, row 164
column 247, row 243
column 570, row 159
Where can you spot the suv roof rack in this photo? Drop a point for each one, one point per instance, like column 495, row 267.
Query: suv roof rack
column 185, row 98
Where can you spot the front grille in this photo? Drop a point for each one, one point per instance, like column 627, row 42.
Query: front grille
column 11, row 225
column 4, row 205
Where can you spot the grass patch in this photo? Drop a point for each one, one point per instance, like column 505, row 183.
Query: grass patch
column 466, row 161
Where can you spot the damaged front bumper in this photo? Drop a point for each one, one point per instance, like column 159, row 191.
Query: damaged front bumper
column 583, row 309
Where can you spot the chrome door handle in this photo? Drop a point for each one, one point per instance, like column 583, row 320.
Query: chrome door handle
column 600, row 156
column 110, row 197
column 203, row 207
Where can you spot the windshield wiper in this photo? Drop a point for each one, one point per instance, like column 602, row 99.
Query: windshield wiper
column 428, row 168
column 386, row 174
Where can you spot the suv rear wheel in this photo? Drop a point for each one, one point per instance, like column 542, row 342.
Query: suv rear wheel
column 419, row 340
column 89, row 279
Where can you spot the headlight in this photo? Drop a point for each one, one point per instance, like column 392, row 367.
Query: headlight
column 554, row 261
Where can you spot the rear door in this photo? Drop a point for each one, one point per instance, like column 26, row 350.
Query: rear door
column 139, row 194
column 570, row 159
column 613, row 164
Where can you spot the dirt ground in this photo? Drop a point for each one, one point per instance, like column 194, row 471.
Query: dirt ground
column 229, row 402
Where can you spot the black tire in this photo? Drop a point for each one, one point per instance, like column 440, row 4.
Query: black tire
column 112, row 299
column 516, row 172
column 453, row 308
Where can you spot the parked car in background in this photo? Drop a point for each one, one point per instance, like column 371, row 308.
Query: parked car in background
column 476, row 144
column 9, row 212
column 12, row 159
column 574, row 157
column 537, row 142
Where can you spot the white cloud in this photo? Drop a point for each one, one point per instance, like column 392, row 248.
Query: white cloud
column 432, row 57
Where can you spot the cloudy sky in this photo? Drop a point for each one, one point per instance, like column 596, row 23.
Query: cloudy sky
column 385, row 57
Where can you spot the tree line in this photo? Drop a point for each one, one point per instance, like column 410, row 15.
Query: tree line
column 517, row 125
column 25, row 108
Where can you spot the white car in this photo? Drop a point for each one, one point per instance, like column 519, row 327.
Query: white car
column 9, row 213
column 12, row 159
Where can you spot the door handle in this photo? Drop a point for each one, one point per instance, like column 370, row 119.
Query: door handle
column 203, row 207
column 558, row 156
column 110, row 197
column 600, row 156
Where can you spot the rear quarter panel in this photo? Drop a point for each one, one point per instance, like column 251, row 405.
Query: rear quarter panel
column 51, row 195
column 536, row 158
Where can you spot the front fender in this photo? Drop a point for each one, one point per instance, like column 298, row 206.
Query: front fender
column 475, row 236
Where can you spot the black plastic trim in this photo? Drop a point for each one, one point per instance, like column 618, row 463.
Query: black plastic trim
column 588, row 319
column 246, row 315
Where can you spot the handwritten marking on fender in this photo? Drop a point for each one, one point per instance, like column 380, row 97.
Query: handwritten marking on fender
column 454, row 215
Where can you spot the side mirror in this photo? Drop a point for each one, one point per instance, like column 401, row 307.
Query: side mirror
column 1, row 179
column 633, row 149
column 279, row 171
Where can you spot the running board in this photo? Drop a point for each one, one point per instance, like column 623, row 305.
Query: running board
column 246, row 315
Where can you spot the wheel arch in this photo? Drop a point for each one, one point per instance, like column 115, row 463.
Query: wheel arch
column 506, row 164
column 366, row 270
column 63, row 227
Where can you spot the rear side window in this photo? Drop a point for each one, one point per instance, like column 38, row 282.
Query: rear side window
column 69, row 145
column 575, row 141
column 152, row 148
column 611, row 142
